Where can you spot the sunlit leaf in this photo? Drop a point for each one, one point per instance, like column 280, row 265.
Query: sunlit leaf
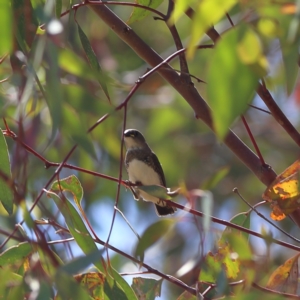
column 139, row 13
column 147, row 288
column 231, row 90
column 151, row 235
column 72, row 63
column 230, row 262
column 239, row 245
column 278, row 21
column 283, row 193
column 180, row 8
column 286, row 277
column 268, row 27
column 207, row 14
column 6, row 194
column 11, row 282
column 70, row 184
column 250, row 52
column 232, row 250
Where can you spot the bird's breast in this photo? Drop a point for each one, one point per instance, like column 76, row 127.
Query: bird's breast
column 138, row 171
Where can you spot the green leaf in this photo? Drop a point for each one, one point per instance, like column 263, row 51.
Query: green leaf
column 151, row 235
column 58, row 8
column 113, row 291
column 208, row 13
column 290, row 56
column 10, row 284
column 78, row 264
column 27, row 217
column 180, row 8
column 238, row 244
column 116, row 285
column 68, row 288
column 99, row 287
column 211, row 268
column 72, row 63
column 6, row 194
column 69, row 184
column 139, row 14
column 46, row 261
column 15, row 253
column 212, row 181
column 74, row 222
column 187, row 296
column 45, row 290
column 6, row 34
column 147, row 288
column 74, row 126
column 123, row 284
column 285, row 26
column 93, row 61
column 156, row 190
column 231, row 80
column 94, row 283
column 241, row 219
column 54, row 93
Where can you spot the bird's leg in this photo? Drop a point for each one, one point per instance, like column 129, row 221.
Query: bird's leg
column 135, row 192
column 161, row 203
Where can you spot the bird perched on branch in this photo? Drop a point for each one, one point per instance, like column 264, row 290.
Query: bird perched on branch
column 144, row 168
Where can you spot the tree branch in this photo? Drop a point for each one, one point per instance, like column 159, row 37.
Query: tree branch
column 188, row 91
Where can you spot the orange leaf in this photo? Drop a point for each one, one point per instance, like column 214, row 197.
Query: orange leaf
column 277, row 213
column 284, row 192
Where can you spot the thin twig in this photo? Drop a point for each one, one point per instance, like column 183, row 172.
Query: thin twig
column 235, row 190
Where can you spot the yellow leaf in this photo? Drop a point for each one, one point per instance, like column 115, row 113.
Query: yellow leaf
column 285, row 277
column 283, row 193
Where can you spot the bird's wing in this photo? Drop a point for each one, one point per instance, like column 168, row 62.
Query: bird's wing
column 159, row 169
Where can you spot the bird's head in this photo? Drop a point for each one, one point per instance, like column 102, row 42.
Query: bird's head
column 134, row 140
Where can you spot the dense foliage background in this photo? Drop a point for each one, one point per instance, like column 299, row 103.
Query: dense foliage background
column 74, row 76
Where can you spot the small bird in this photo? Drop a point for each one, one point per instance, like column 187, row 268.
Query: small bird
column 143, row 167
